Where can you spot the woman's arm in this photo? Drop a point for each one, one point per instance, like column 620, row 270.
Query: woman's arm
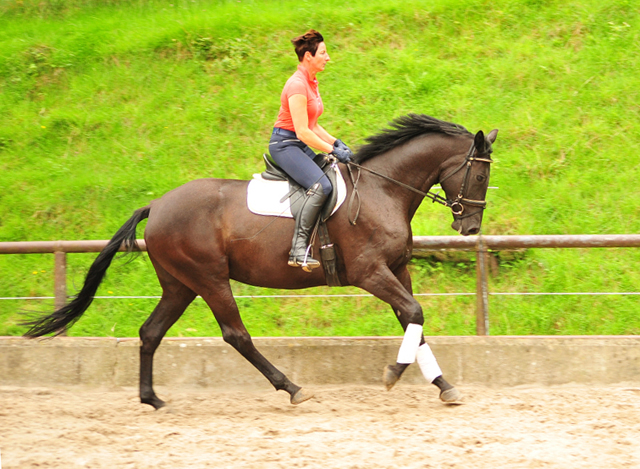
column 323, row 134
column 298, row 110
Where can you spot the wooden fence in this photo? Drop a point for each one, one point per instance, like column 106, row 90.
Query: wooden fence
column 481, row 244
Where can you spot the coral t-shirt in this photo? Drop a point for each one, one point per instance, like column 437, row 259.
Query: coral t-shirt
column 300, row 83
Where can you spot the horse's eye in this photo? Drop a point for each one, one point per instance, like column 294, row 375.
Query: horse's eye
column 480, row 178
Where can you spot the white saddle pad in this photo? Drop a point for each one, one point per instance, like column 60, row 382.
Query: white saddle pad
column 263, row 196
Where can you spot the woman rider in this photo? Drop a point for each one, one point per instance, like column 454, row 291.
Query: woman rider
column 297, row 129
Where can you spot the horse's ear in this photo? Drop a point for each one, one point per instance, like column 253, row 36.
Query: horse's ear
column 479, row 142
column 492, row 135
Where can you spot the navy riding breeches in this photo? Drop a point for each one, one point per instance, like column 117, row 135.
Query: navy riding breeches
column 296, row 159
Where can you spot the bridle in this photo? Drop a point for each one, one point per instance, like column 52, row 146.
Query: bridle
column 456, row 205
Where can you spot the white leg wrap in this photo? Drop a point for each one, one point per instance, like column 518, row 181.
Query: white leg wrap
column 410, row 344
column 428, row 363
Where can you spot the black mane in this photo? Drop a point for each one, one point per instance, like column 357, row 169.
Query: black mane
column 402, row 130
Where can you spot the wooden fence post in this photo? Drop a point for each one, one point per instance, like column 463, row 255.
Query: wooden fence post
column 482, row 288
column 60, row 280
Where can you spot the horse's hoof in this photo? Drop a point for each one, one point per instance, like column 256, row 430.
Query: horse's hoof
column 389, row 377
column 300, row 396
column 451, row 396
column 154, row 402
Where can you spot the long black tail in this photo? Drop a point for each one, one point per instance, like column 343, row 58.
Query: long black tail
column 58, row 321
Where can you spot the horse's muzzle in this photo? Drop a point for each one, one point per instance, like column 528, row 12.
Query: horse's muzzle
column 468, row 226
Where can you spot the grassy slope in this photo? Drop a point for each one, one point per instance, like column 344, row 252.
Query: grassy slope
column 107, row 105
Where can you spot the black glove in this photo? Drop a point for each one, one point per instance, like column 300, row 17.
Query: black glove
column 341, row 151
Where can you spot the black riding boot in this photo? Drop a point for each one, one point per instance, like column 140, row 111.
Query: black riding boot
column 314, row 200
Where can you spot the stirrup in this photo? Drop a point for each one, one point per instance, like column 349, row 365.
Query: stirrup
column 308, row 263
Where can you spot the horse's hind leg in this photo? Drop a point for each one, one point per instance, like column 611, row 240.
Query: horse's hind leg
column 175, row 299
column 225, row 310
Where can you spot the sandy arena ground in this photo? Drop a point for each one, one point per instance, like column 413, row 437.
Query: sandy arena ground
column 343, row 427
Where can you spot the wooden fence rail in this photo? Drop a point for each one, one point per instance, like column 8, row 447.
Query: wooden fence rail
column 480, row 244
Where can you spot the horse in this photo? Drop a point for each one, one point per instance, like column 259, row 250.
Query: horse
column 201, row 234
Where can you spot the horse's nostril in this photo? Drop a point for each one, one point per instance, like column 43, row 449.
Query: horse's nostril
column 474, row 231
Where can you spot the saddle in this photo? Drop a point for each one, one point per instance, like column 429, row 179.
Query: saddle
column 274, row 193
column 296, row 193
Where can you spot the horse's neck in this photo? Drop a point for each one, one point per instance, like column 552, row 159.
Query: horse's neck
column 416, row 164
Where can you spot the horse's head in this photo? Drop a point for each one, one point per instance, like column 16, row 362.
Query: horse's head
column 465, row 180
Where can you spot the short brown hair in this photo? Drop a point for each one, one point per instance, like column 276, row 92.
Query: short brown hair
column 308, row 42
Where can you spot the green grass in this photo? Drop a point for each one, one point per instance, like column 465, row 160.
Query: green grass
column 107, row 105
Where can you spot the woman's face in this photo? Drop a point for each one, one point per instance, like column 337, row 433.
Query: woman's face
column 319, row 61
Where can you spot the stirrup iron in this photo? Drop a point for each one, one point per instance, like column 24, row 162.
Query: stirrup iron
column 304, row 264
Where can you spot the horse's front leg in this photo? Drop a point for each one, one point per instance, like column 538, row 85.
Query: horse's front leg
column 409, row 313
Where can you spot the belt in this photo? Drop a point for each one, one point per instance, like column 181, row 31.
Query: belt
column 284, row 132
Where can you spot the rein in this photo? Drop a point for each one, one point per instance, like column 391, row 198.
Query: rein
column 456, row 205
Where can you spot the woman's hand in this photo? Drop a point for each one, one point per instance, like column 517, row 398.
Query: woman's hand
column 341, row 151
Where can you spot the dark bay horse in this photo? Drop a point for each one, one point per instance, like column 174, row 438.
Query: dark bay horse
column 201, row 234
